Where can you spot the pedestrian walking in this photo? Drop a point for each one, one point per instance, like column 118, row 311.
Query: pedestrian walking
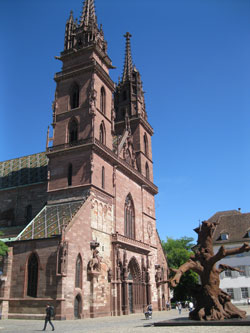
column 179, row 307
column 167, row 305
column 191, row 306
column 49, row 313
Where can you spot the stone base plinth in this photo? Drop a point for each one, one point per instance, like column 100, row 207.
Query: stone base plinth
column 188, row 322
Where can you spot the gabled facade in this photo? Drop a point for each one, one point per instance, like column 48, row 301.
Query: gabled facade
column 232, row 231
column 90, row 246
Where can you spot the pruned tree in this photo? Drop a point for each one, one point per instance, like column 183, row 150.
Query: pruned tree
column 212, row 302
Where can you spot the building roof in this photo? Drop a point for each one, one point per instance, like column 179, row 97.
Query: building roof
column 50, row 220
column 9, row 233
column 233, row 223
column 24, row 170
column 218, row 215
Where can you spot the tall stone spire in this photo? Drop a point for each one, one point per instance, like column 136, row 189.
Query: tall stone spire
column 88, row 17
column 128, row 65
column 129, row 94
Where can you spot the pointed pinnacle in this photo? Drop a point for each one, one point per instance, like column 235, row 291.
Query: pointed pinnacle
column 71, row 18
column 88, row 13
column 128, row 65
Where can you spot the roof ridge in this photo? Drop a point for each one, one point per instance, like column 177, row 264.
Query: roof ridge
column 16, row 158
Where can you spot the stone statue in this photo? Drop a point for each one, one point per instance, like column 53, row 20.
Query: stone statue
column 94, row 265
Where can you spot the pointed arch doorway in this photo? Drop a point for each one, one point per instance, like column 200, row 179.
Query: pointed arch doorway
column 78, row 307
column 130, row 293
column 133, row 284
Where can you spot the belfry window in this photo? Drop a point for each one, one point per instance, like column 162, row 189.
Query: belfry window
column 103, row 177
column 129, row 218
column 32, row 275
column 145, row 144
column 124, row 95
column 74, row 97
column 73, row 131
column 70, row 171
column 78, row 277
column 147, row 170
column 103, row 101
column 102, row 135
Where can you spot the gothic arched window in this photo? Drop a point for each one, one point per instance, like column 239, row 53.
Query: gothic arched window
column 103, row 177
column 73, row 131
column 145, row 144
column 129, row 218
column 28, row 213
column 78, row 277
column 147, row 170
column 103, row 101
column 102, row 135
column 74, row 96
column 32, row 275
column 70, row 171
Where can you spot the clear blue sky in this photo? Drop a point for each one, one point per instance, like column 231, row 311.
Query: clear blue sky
column 194, row 58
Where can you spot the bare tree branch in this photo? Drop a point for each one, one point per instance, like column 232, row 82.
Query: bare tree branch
column 222, row 253
column 190, row 264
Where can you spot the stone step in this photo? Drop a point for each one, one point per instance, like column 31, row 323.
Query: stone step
column 30, row 316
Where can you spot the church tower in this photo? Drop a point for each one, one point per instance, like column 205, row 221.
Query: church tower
column 131, row 114
column 82, row 110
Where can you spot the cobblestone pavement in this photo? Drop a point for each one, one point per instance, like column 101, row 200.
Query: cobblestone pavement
column 123, row 324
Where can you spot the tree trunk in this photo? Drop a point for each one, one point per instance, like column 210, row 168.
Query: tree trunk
column 214, row 304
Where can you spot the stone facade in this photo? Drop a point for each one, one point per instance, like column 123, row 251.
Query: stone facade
column 91, row 247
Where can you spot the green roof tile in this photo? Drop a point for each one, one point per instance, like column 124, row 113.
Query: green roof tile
column 23, row 171
column 50, row 219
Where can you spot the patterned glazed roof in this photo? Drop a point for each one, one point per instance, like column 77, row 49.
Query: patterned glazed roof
column 23, row 171
column 49, row 220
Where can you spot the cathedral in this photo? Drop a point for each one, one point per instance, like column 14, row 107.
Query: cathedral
column 79, row 218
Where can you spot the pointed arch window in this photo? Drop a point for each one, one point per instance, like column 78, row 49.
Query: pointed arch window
column 32, row 275
column 70, row 172
column 147, row 170
column 129, row 218
column 78, row 277
column 145, row 144
column 103, row 101
column 103, row 177
column 73, row 131
column 74, row 96
column 102, row 134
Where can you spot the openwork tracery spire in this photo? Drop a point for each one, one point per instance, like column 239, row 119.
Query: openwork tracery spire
column 128, row 65
column 88, row 17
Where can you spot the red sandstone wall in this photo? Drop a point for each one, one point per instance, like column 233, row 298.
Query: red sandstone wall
column 58, row 167
column 18, row 198
column 97, row 174
column 124, row 186
column 78, row 235
column 46, row 251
